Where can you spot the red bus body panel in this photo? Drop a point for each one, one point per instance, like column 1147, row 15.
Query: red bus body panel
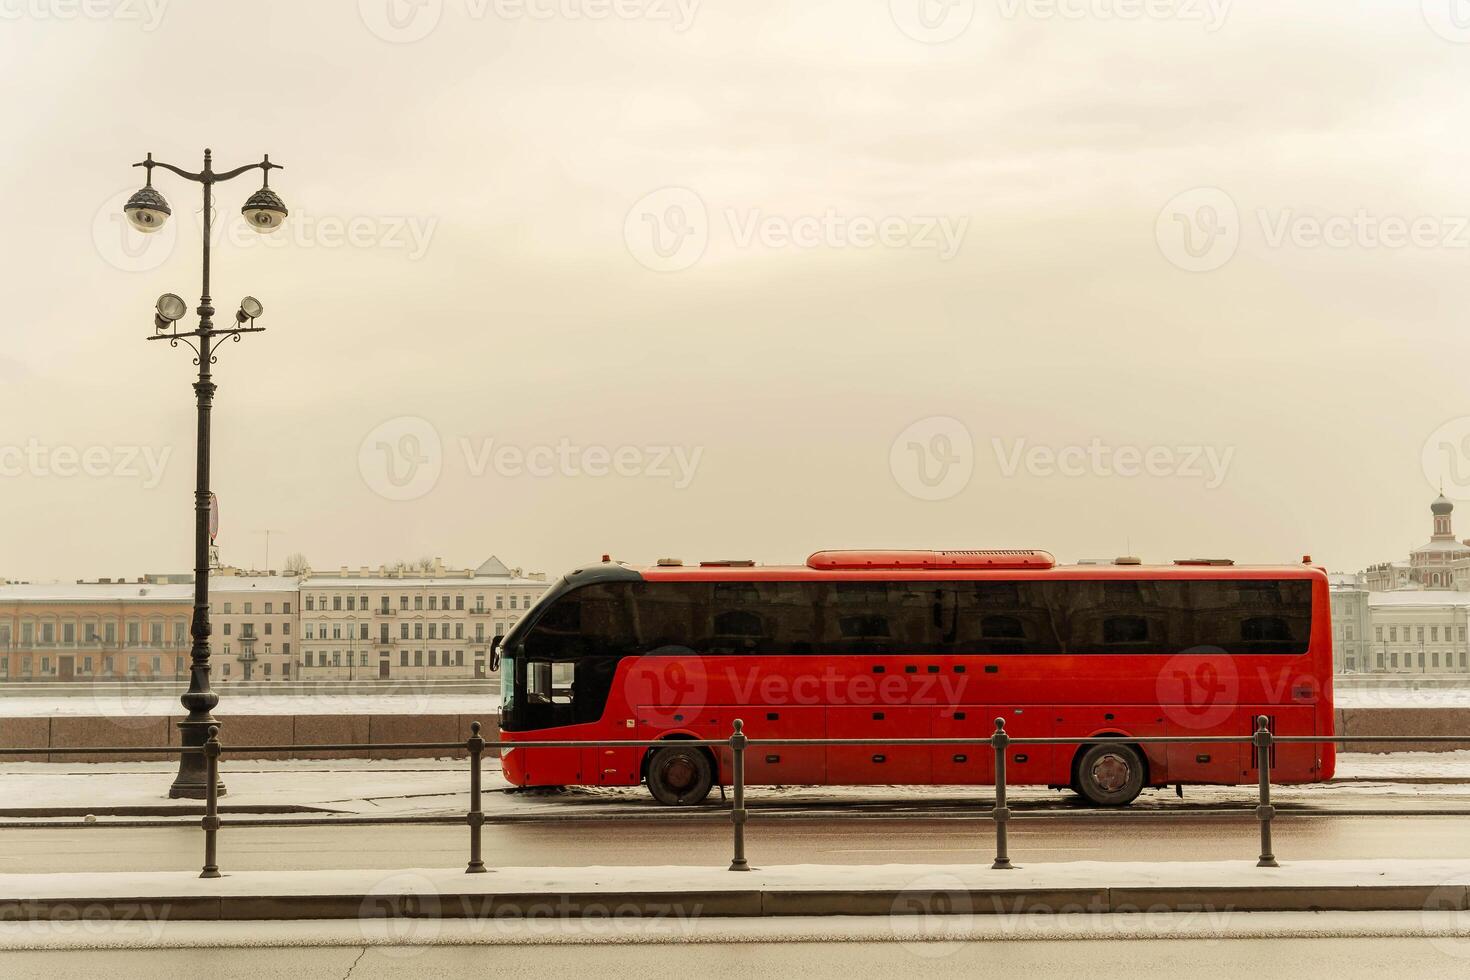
column 919, row 695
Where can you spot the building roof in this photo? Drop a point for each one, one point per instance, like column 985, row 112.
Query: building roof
column 1419, row 597
column 97, row 592
column 253, row 583
column 409, row 584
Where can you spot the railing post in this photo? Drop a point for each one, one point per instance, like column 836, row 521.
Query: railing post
column 1001, row 813
column 210, row 822
column 476, row 817
column 737, row 810
column 1263, row 740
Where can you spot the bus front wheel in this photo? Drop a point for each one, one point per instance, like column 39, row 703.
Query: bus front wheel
column 680, row 775
column 1110, row 775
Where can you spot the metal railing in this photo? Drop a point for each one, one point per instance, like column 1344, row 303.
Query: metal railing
column 1263, row 740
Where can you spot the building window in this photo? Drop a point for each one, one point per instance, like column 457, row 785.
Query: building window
column 336, row 602
column 459, row 602
column 310, row 605
column 433, row 602
column 285, row 609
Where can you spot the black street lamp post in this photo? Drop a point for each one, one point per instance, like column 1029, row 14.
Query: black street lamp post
column 147, row 211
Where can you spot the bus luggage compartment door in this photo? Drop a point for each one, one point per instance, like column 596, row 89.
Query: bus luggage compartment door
column 879, row 764
column 785, row 764
column 964, row 764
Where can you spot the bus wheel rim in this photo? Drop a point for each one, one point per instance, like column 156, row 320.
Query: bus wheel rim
column 1111, row 772
column 679, row 773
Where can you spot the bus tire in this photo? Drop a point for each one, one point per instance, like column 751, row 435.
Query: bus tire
column 1110, row 774
column 680, row 775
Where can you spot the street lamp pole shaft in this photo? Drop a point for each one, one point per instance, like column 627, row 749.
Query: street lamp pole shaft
column 192, row 781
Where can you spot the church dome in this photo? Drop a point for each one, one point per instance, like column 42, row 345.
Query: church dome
column 1441, row 505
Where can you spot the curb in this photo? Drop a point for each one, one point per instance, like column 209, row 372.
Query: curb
column 742, row 903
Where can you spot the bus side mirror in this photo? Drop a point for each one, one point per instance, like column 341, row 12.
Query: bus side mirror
column 495, row 653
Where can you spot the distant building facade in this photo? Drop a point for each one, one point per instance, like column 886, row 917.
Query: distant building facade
column 429, row 622
column 94, row 630
column 410, row 623
column 1407, row 617
column 254, row 621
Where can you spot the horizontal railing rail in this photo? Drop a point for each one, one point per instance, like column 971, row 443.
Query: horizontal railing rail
column 738, row 743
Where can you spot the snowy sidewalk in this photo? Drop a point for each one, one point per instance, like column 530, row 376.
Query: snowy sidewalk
column 389, row 787
column 681, row 893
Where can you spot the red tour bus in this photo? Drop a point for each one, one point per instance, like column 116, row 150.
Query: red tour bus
column 919, row 644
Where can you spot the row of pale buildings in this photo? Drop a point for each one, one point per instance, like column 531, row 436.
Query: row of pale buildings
column 1408, row 617
column 423, row 623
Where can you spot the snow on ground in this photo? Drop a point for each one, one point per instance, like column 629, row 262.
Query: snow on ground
column 436, row 786
column 1402, row 697
column 932, row 879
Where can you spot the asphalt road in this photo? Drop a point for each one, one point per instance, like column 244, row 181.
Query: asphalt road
column 819, row 839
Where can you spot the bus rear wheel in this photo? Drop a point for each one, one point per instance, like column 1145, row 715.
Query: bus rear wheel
column 1110, row 775
column 680, row 776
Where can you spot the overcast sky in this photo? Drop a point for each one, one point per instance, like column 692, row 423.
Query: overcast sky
column 741, row 279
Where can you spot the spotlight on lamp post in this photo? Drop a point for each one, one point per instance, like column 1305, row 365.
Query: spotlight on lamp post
column 147, row 211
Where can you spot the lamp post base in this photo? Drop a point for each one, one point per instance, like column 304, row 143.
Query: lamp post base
column 192, row 782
